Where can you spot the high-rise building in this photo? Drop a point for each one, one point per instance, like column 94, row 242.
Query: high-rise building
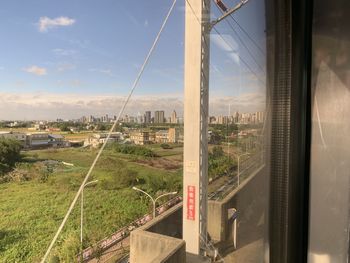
column 148, row 117
column 83, row 119
column 236, row 117
column 260, row 116
column 105, row 118
column 140, row 118
column 91, row 119
column 159, row 117
column 222, row 119
column 246, row 118
column 174, row 117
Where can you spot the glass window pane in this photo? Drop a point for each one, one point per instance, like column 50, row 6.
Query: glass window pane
column 330, row 150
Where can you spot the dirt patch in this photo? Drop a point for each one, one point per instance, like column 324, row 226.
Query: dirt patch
column 161, row 163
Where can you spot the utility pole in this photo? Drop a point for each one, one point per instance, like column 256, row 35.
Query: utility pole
column 195, row 179
column 197, row 23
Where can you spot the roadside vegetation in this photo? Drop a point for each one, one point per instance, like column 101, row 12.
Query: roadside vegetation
column 10, row 154
column 41, row 187
column 219, row 163
column 132, row 149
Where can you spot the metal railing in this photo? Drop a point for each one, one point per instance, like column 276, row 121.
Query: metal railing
column 124, row 232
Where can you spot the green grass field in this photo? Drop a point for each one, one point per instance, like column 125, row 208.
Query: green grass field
column 31, row 211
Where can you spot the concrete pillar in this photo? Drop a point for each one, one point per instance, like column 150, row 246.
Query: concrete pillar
column 195, row 125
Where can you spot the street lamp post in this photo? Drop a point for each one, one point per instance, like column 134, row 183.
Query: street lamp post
column 82, row 212
column 238, row 165
column 154, row 201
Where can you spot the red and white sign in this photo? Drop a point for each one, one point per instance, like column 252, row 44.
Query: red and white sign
column 191, row 202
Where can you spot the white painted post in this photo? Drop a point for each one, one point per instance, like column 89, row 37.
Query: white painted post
column 195, row 180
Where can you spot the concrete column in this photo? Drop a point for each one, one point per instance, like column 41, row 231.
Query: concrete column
column 195, row 125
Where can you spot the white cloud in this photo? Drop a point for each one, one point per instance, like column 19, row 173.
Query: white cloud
column 146, row 23
column 46, row 23
column 103, row 71
column 64, row 52
column 245, row 102
column 67, row 106
column 36, row 70
column 227, row 44
column 65, row 66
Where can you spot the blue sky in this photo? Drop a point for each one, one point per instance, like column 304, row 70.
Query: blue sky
column 63, row 58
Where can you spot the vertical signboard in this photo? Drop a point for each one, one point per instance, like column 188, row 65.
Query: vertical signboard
column 191, row 202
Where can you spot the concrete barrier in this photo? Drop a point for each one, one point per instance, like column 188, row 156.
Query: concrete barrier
column 242, row 199
column 148, row 247
column 160, row 239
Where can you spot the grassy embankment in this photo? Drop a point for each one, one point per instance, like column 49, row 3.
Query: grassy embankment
column 31, row 210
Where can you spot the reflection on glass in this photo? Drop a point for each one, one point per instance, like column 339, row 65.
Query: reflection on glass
column 237, row 127
column 330, row 151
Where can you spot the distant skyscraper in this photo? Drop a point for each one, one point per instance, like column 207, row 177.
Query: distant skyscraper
column 260, row 116
column 159, row 117
column 91, row 119
column 140, row 118
column 236, row 117
column 148, row 117
column 174, row 117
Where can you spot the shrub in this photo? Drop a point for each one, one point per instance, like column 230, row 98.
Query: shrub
column 133, row 149
column 165, row 146
column 120, row 178
column 219, row 163
column 69, row 249
column 10, row 153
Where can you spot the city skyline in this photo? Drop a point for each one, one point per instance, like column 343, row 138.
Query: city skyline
column 148, row 118
column 46, row 107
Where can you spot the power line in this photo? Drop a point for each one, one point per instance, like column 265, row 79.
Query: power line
column 226, row 14
column 240, row 39
column 244, row 62
column 250, row 53
column 109, row 134
column 247, row 34
column 240, row 58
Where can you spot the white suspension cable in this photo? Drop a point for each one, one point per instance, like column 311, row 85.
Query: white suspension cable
column 109, row 134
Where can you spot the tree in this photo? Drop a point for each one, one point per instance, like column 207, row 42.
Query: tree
column 218, row 163
column 215, row 137
column 217, row 152
column 101, row 127
column 64, row 127
column 165, row 146
column 10, row 153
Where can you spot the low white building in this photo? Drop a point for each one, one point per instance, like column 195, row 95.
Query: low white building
column 37, row 140
column 162, row 136
column 99, row 138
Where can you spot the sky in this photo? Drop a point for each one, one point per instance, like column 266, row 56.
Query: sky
column 69, row 58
